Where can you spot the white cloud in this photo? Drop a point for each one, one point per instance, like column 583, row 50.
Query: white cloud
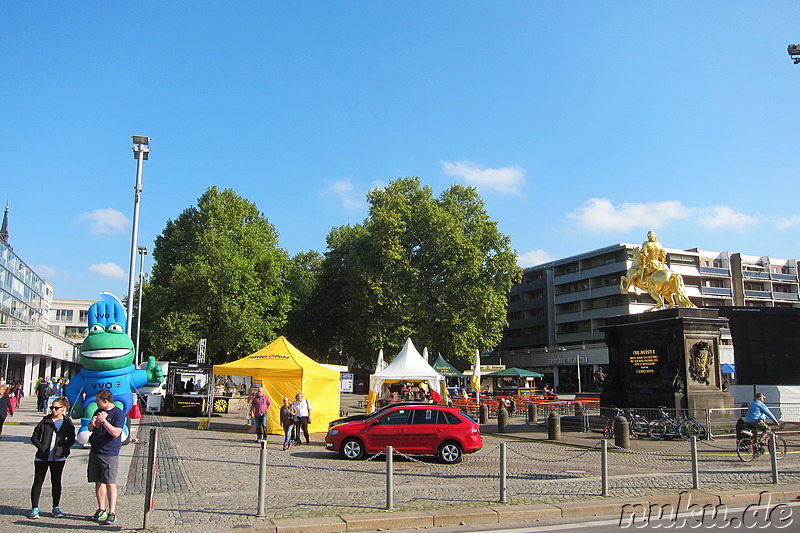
column 788, row 223
column 504, row 179
column 105, row 221
column 533, row 258
column 599, row 215
column 723, row 217
column 108, row 270
column 45, row 271
column 345, row 191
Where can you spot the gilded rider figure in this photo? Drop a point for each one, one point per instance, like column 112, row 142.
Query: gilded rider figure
column 652, row 256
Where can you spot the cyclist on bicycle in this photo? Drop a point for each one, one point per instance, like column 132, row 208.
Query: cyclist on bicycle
column 757, row 413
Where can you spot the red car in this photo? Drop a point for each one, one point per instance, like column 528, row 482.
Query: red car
column 412, row 429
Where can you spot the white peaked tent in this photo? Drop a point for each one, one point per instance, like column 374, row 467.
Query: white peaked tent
column 407, row 366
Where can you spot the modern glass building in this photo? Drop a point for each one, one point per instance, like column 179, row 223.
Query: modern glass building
column 28, row 348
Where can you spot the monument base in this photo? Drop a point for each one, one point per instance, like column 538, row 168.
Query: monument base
column 665, row 358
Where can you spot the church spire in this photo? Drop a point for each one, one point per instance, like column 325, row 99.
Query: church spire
column 4, row 229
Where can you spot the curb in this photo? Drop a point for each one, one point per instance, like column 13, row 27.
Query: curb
column 622, row 508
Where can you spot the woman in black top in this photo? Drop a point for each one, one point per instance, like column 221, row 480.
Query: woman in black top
column 52, row 437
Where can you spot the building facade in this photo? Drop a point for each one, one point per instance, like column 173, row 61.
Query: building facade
column 556, row 311
column 29, row 349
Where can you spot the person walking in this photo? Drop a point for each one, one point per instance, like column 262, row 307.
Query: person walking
column 106, row 439
column 258, row 411
column 288, row 417
column 303, row 409
column 52, row 436
column 6, row 408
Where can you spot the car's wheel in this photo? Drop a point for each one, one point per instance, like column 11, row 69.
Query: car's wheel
column 450, row 452
column 353, row 449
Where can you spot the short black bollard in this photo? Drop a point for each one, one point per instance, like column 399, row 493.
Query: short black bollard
column 483, row 414
column 502, row 419
column 553, row 426
column 532, row 413
column 622, row 436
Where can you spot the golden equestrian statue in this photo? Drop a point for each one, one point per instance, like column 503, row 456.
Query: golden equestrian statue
column 650, row 274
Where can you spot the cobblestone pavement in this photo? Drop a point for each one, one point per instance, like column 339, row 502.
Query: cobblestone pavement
column 208, row 479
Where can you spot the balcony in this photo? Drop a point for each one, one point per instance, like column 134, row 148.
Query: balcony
column 714, row 271
column 789, row 296
column 752, row 274
column 784, row 277
column 758, row 294
column 718, row 291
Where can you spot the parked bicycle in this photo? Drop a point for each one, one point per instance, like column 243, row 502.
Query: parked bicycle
column 751, row 446
column 608, row 429
column 638, row 425
column 668, row 427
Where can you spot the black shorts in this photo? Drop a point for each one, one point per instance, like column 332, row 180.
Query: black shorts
column 102, row 468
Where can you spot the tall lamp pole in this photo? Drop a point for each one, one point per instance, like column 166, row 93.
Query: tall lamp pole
column 141, row 147
column 142, row 253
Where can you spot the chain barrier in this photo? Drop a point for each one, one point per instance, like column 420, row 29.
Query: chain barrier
column 466, row 460
column 580, row 453
column 716, row 447
column 282, row 458
column 654, row 454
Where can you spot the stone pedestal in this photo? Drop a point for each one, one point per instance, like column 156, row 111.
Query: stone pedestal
column 668, row 358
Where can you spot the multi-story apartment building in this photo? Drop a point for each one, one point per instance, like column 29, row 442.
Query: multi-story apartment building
column 28, row 348
column 68, row 318
column 556, row 311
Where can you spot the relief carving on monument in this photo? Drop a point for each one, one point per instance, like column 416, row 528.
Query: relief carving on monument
column 701, row 361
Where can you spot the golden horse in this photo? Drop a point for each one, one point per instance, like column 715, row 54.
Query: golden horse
column 663, row 285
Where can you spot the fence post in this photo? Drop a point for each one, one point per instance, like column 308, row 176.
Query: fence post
column 152, row 468
column 604, row 467
column 503, row 474
column 773, row 458
column 262, row 479
column 389, row 478
column 695, row 466
column 709, row 433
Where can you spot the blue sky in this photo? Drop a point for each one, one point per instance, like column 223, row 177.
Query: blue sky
column 582, row 124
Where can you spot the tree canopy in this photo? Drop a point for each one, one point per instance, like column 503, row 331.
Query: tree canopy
column 437, row 270
column 218, row 275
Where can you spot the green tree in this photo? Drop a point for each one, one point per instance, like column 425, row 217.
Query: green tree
column 300, row 279
column 435, row 269
column 218, row 275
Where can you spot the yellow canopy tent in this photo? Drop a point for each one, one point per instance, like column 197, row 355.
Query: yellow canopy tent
column 284, row 371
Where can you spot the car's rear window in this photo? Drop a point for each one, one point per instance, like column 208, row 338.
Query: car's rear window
column 426, row 416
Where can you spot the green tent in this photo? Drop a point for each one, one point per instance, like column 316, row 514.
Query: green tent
column 446, row 369
column 514, row 373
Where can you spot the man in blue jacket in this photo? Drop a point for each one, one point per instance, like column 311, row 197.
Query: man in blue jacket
column 757, row 413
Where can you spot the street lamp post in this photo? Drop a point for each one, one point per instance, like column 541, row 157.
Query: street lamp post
column 142, row 253
column 141, row 148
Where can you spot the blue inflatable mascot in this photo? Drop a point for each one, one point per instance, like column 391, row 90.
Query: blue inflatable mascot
column 107, row 356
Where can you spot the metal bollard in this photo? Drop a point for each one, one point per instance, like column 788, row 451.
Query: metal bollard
column 695, row 466
column 773, row 459
column 483, row 414
column 604, row 467
column 532, row 413
column 553, row 426
column 262, row 480
column 622, row 436
column 503, row 474
column 389, row 478
column 502, row 419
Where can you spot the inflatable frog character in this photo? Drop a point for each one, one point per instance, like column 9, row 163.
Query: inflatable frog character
column 107, row 356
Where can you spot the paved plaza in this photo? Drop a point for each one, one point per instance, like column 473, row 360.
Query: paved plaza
column 208, row 480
